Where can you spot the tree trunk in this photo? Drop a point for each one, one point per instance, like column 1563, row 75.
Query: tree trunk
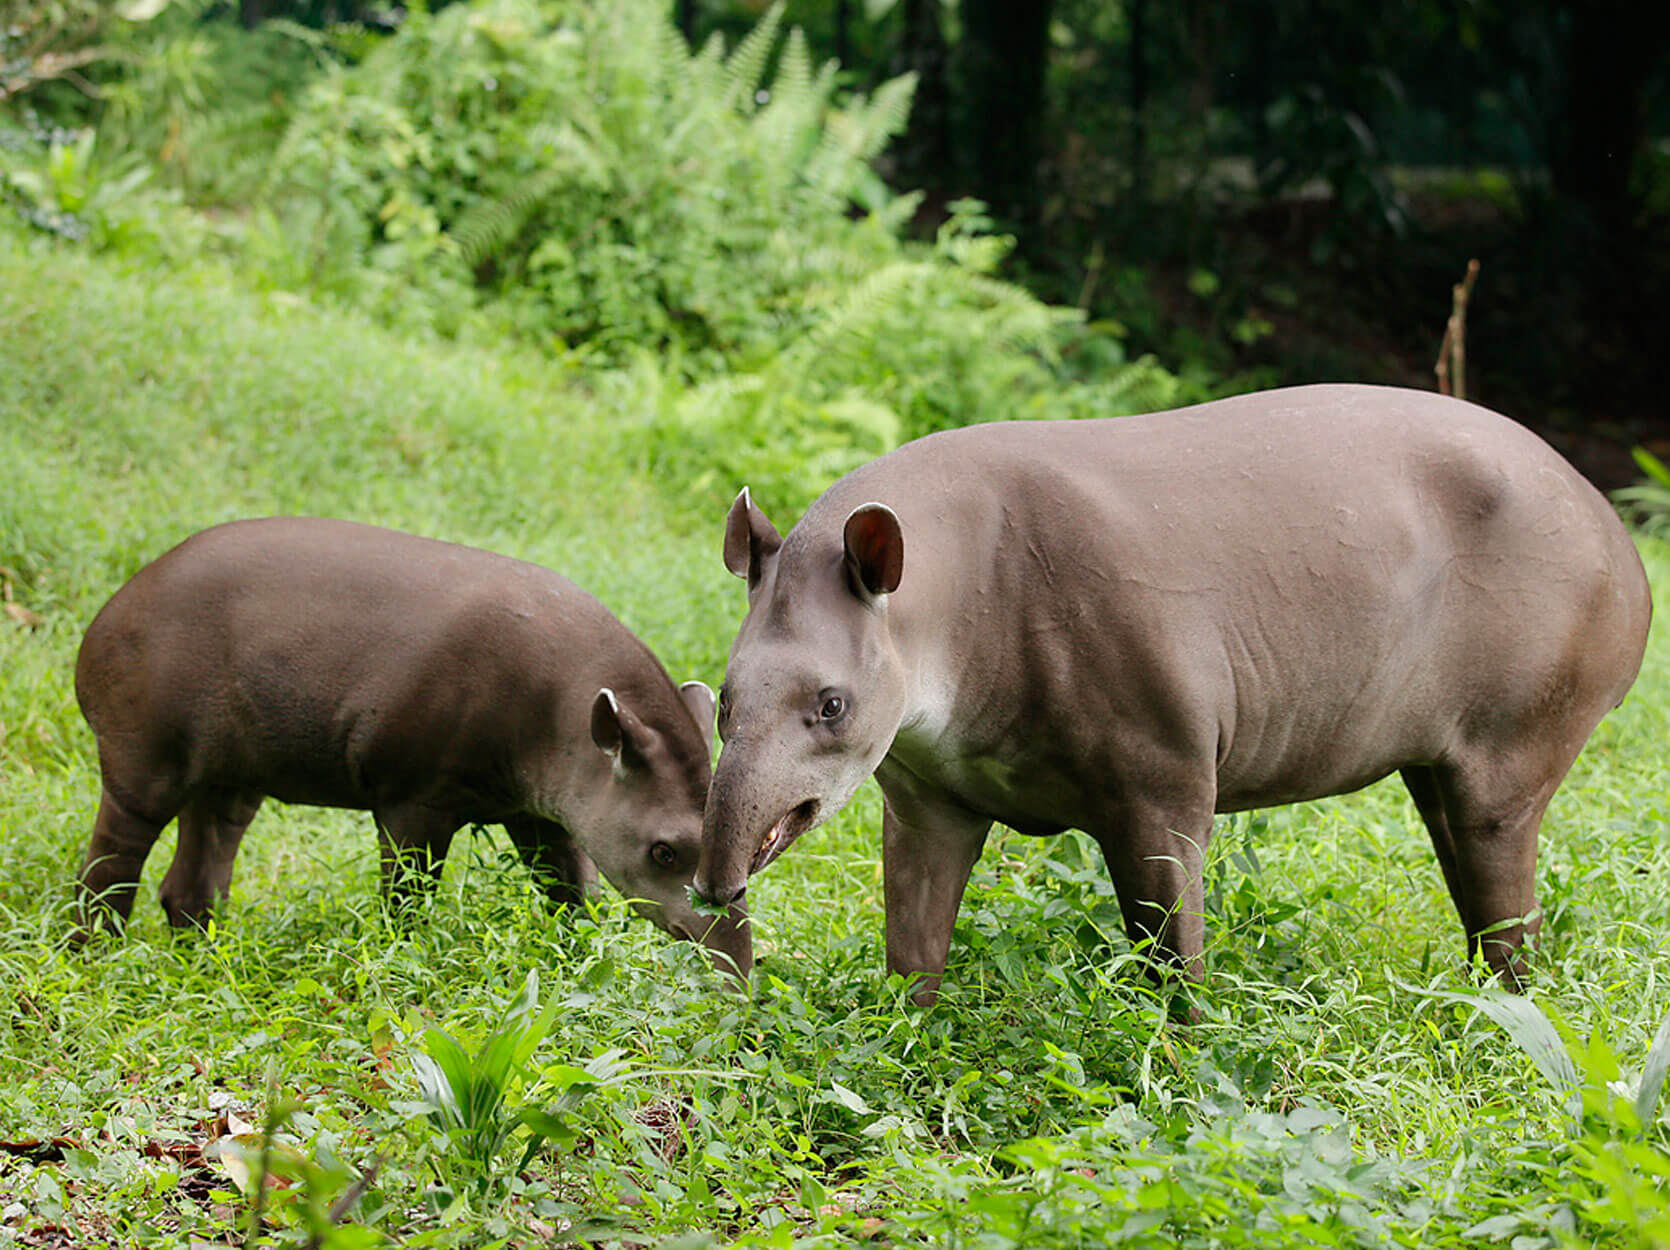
column 924, row 150
column 1005, row 48
column 1138, row 53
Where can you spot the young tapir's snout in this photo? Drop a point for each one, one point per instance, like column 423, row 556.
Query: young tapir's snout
column 433, row 685
column 812, row 698
column 1125, row 626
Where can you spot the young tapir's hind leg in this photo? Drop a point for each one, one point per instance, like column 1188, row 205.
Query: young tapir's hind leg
column 122, row 837
column 413, row 839
column 211, row 827
column 927, row 853
column 554, row 857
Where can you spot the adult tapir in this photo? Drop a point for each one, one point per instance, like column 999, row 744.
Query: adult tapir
column 333, row 663
column 1124, row 626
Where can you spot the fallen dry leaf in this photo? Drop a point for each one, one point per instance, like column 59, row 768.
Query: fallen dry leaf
column 38, row 1150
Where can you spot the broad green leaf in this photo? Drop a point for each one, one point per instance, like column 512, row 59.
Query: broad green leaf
column 1651, row 465
column 851, row 1101
column 1652, row 1073
column 1531, row 1031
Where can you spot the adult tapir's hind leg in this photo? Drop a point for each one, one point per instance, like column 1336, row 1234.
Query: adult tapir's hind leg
column 1422, row 783
column 123, row 835
column 211, row 827
column 1490, row 812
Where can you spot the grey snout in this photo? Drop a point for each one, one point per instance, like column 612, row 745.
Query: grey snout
column 728, row 939
column 708, row 896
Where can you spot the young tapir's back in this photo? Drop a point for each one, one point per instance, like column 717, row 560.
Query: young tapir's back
column 320, row 657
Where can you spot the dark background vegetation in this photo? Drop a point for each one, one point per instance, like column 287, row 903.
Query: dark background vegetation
column 1287, row 188
column 1332, row 166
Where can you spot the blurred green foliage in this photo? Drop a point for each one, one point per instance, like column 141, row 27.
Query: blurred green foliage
column 708, row 224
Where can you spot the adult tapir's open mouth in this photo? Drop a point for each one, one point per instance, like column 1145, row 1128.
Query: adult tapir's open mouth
column 794, row 822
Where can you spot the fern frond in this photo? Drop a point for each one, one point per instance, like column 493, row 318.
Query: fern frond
column 745, row 67
column 856, row 134
column 794, row 69
column 581, row 154
column 487, row 226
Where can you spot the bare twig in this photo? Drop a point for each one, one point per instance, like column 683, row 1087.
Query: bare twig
column 50, row 65
column 1452, row 352
column 258, row 1208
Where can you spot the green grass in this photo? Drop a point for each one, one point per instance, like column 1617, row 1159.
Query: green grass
column 1327, row 1095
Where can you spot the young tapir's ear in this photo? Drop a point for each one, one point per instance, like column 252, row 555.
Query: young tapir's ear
column 875, row 549
column 698, row 697
column 617, row 732
column 750, row 539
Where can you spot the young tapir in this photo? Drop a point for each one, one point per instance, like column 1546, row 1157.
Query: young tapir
column 434, row 685
column 1124, row 626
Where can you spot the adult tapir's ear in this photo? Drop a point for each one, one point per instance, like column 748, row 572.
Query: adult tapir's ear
column 875, row 549
column 617, row 732
column 699, row 699
column 750, row 539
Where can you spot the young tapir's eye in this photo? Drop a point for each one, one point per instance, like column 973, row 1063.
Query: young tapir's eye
column 664, row 855
column 833, row 706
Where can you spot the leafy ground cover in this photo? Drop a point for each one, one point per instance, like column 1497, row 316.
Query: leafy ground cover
column 494, row 1074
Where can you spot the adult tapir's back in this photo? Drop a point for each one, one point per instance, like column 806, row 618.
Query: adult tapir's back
column 1327, row 582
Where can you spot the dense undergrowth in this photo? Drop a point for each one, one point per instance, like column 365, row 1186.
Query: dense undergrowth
column 1334, row 1091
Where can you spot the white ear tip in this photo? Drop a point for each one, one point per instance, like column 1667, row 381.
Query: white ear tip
column 614, row 703
column 697, row 685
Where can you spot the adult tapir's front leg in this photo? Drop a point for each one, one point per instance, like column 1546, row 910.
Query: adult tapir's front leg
column 1155, row 854
column 928, row 849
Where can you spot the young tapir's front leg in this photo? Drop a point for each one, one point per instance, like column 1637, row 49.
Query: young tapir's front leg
column 413, row 839
column 554, row 857
column 928, row 850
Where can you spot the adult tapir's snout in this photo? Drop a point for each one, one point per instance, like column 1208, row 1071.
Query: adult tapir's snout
column 733, row 825
column 727, row 938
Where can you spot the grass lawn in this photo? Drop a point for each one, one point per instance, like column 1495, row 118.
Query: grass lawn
column 1331, row 1093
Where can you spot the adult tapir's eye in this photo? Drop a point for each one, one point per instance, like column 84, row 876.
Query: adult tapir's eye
column 833, row 706
column 664, row 855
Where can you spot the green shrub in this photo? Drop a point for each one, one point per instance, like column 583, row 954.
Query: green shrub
column 587, row 174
